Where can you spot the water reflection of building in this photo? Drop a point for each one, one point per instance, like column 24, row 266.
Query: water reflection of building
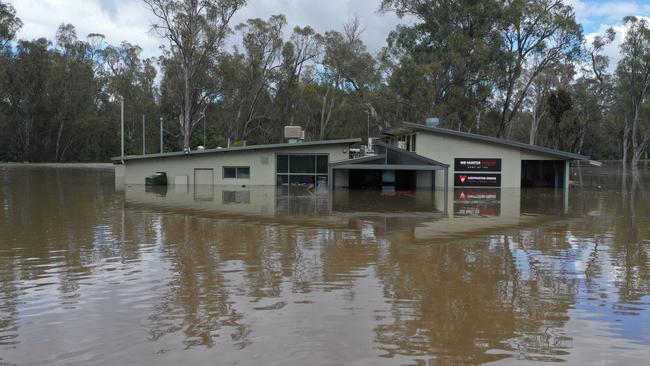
column 424, row 214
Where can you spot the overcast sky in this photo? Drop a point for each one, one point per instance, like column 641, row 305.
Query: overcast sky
column 129, row 20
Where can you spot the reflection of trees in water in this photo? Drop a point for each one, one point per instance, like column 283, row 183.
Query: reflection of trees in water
column 48, row 225
column 9, row 293
column 196, row 300
column 630, row 248
column 455, row 301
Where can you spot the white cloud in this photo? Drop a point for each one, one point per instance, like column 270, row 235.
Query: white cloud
column 612, row 50
column 118, row 20
column 129, row 20
column 597, row 12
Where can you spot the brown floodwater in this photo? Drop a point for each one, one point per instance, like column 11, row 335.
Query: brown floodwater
column 97, row 274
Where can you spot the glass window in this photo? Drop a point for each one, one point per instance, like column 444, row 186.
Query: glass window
column 282, row 164
column 283, row 180
column 244, row 173
column 302, row 164
column 321, row 164
column 321, row 181
column 302, row 180
column 302, row 170
column 229, row 172
column 239, row 172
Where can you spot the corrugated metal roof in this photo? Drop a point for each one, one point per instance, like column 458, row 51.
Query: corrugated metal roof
column 237, row 149
column 489, row 139
column 393, row 149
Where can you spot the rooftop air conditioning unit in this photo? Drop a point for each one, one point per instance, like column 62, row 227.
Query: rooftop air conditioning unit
column 433, row 121
column 293, row 132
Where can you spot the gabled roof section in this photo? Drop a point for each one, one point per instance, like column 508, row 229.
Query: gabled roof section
column 242, row 148
column 390, row 157
column 488, row 139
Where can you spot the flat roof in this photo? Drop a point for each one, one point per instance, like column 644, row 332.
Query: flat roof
column 489, row 139
column 236, row 149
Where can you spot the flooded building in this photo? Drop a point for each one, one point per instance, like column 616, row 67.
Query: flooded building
column 299, row 163
column 479, row 161
column 405, row 158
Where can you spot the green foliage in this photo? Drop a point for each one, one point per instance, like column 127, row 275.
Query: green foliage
column 518, row 68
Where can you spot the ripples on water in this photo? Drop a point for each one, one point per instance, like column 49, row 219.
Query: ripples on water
column 91, row 275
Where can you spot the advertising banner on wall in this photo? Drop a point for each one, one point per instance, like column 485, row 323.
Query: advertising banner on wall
column 477, row 180
column 477, row 194
column 473, row 165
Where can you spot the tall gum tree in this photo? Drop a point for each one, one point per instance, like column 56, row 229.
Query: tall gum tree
column 633, row 72
column 536, row 34
column 196, row 30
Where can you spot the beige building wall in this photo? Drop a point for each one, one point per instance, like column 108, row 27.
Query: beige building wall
column 445, row 149
column 261, row 162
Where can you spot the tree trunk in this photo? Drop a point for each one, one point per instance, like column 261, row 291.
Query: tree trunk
column 626, row 142
column 186, row 117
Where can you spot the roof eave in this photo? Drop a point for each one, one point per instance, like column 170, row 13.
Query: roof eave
column 238, row 149
column 498, row 141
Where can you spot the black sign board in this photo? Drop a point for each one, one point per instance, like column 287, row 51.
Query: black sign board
column 477, row 180
column 474, row 165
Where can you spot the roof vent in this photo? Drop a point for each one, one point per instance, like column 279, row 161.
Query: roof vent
column 433, row 121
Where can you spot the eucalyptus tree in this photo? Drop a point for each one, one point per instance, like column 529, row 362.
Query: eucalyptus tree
column 26, row 99
column 347, row 72
column 633, row 72
column 9, row 24
column 299, row 55
column 536, row 34
column 262, row 45
column 74, row 85
column 593, row 94
column 195, row 30
column 444, row 64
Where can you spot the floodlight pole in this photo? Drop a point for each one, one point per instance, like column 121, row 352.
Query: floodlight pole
column 161, row 135
column 144, row 150
column 122, row 125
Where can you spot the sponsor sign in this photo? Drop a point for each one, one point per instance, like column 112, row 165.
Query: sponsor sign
column 483, row 210
column 474, row 165
column 477, row 180
column 477, row 194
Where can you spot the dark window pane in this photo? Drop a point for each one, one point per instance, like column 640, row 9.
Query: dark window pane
column 229, row 172
column 283, row 180
column 244, row 173
column 302, row 163
column 321, row 163
column 302, row 180
column 282, row 164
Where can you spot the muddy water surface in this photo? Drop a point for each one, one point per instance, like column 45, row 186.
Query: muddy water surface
column 94, row 275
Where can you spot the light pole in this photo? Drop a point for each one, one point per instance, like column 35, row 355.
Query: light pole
column 161, row 135
column 144, row 150
column 203, row 129
column 122, row 125
column 368, row 121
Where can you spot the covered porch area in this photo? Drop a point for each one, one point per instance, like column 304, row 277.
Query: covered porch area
column 389, row 169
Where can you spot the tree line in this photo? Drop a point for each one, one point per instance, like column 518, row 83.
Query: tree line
column 517, row 69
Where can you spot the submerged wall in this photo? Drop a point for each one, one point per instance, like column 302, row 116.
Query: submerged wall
column 445, row 149
column 181, row 169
